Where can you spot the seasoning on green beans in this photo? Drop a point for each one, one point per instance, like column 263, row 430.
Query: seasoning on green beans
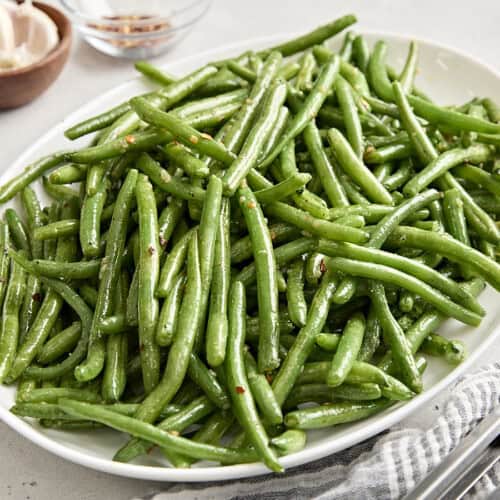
column 263, row 246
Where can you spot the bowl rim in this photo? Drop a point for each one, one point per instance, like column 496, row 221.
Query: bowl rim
column 79, row 16
column 63, row 45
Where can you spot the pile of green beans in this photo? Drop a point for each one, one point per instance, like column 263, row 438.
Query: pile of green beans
column 264, row 246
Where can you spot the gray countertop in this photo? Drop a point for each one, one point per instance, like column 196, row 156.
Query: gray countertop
column 27, row 471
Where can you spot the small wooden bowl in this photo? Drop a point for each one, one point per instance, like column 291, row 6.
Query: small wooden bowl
column 20, row 86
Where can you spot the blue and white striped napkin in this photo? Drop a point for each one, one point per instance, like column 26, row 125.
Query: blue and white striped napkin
column 384, row 467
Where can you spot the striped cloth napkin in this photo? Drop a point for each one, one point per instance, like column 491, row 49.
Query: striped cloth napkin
column 387, row 466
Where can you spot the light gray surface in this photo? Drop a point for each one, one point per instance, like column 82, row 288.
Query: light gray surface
column 28, row 472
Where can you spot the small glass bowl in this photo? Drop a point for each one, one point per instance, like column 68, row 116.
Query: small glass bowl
column 134, row 29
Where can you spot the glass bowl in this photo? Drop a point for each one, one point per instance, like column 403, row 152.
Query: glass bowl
column 134, row 29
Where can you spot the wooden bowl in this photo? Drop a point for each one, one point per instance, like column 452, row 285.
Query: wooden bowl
column 20, row 86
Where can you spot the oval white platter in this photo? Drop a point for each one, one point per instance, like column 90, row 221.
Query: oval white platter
column 445, row 75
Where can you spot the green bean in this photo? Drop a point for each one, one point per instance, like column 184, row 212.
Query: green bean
column 265, row 271
column 53, row 394
column 453, row 351
column 450, row 248
column 49, row 309
column 251, row 148
column 408, row 282
column 418, row 138
column 397, row 151
column 54, row 230
column 400, row 177
column 239, row 388
column 324, row 394
column 210, row 432
column 168, row 219
column 241, row 71
column 154, row 73
column 309, row 109
column 165, row 98
column 350, row 115
column 315, row 37
column 328, row 341
column 333, row 189
column 167, row 320
column 109, row 275
column 318, row 417
column 371, row 338
column 155, row 435
column 4, row 260
column 456, row 224
column 492, row 109
column 283, row 254
column 355, row 168
column 147, row 303
column 304, row 343
column 262, row 392
column 62, row 270
column 285, row 188
column 18, row 231
column 394, row 335
column 90, row 222
column 217, row 322
column 478, row 176
column 29, row 174
column 60, row 192
column 478, row 219
column 427, row 110
column 296, row 302
column 9, row 328
column 180, row 130
column 132, row 313
column 347, row 350
column 241, row 250
column 476, row 153
column 68, row 174
column 173, row 264
column 355, row 77
column 276, row 132
column 322, row 228
column 60, row 344
column 391, row 221
column 183, row 157
column 180, row 350
column 304, row 78
column 161, row 178
column 139, row 141
column 85, row 314
column 407, row 76
column 314, row 268
column 361, row 52
column 207, row 381
column 31, row 304
column 114, row 378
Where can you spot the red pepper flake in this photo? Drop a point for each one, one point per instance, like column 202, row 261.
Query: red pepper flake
column 239, row 389
column 37, row 297
column 129, row 139
column 251, row 204
column 322, row 266
column 193, row 139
